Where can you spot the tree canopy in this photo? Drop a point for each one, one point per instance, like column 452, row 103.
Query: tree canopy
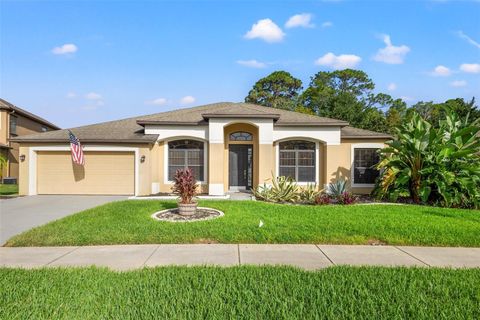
column 278, row 90
column 349, row 95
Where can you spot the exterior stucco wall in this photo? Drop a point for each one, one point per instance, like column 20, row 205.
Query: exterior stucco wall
column 338, row 162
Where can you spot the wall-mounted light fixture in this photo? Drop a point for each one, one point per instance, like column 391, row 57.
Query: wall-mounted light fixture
column 142, row 159
column 22, row 157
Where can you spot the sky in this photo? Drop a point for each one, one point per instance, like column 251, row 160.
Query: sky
column 83, row 62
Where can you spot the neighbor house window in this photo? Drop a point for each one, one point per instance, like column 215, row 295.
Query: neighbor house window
column 13, row 125
column 297, row 160
column 44, row 129
column 241, row 136
column 186, row 154
column 364, row 162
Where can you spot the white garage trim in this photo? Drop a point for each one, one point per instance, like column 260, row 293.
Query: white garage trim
column 32, row 164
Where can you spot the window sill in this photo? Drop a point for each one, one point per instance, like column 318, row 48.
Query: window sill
column 363, row 185
column 198, row 182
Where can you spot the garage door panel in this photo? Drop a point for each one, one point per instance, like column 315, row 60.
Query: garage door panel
column 103, row 173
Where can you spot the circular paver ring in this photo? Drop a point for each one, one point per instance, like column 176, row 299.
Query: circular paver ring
column 202, row 213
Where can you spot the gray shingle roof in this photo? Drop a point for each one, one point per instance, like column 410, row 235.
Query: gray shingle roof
column 131, row 130
column 11, row 107
column 198, row 115
column 352, row 132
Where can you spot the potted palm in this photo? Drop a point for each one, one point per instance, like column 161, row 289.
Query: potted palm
column 185, row 187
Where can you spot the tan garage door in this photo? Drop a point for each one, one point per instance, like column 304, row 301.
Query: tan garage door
column 103, row 173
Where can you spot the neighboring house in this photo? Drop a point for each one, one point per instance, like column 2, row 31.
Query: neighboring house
column 230, row 146
column 16, row 122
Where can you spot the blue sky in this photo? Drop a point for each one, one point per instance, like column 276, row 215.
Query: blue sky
column 82, row 62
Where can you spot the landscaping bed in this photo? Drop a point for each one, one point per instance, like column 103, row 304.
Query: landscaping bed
column 130, row 222
column 240, row 293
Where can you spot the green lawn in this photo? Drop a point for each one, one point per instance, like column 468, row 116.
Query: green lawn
column 240, row 293
column 129, row 222
column 8, row 189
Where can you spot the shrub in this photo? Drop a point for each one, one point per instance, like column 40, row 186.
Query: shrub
column 309, row 193
column 433, row 164
column 337, row 188
column 323, row 199
column 263, row 193
column 283, row 189
column 347, row 198
column 185, row 185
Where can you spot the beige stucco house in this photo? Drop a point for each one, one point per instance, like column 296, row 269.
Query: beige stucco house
column 230, row 147
column 16, row 122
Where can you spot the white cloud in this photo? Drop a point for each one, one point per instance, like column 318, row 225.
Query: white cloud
column 187, row 100
column 93, row 96
column 458, row 83
column 392, row 87
column 441, row 71
column 327, row 24
column 342, row 61
column 71, row 95
column 303, row 20
column 468, row 39
column 158, row 101
column 266, row 30
column 391, row 54
column 470, row 67
column 65, row 49
column 252, row 63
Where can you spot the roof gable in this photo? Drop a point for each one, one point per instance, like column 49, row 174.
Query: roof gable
column 200, row 115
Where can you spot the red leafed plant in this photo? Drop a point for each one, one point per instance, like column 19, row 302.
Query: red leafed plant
column 323, row 199
column 347, row 198
column 185, row 185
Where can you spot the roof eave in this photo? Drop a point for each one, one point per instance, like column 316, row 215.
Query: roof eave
column 144, row 141
column 318, row 124
column 31, row 116
column 367, row 137
column 169, row 123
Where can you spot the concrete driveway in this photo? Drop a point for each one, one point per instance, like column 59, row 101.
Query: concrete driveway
column 23, row 213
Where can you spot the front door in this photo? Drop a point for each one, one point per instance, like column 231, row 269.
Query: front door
column 240, row 165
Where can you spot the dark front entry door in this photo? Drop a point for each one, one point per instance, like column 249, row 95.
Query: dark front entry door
column 240, row 166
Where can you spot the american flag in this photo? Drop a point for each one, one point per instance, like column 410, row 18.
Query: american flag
column 76, row 148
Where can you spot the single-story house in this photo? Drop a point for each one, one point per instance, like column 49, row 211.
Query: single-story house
column 229, row 146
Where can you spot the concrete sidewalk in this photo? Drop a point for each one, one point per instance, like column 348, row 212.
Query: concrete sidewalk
column 309, row 257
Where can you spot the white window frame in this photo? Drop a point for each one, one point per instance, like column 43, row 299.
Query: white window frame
column 352, row 161
column 165, row 159
column 32, row 162
column 317, row 158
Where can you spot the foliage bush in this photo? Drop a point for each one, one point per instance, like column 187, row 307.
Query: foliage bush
column 323, row 199
column 346, row 198
column 286, row 190
column 337, row 188
column 309, row 193
column 437, row 164
column 185, row 185
column 283, row 189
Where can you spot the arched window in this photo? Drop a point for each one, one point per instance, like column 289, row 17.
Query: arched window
column 186, row 154
column 241, row 136
column 297, row 160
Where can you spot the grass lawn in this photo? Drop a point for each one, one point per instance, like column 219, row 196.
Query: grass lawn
column 240, row 293
column 8, row 189
column 129, row 222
